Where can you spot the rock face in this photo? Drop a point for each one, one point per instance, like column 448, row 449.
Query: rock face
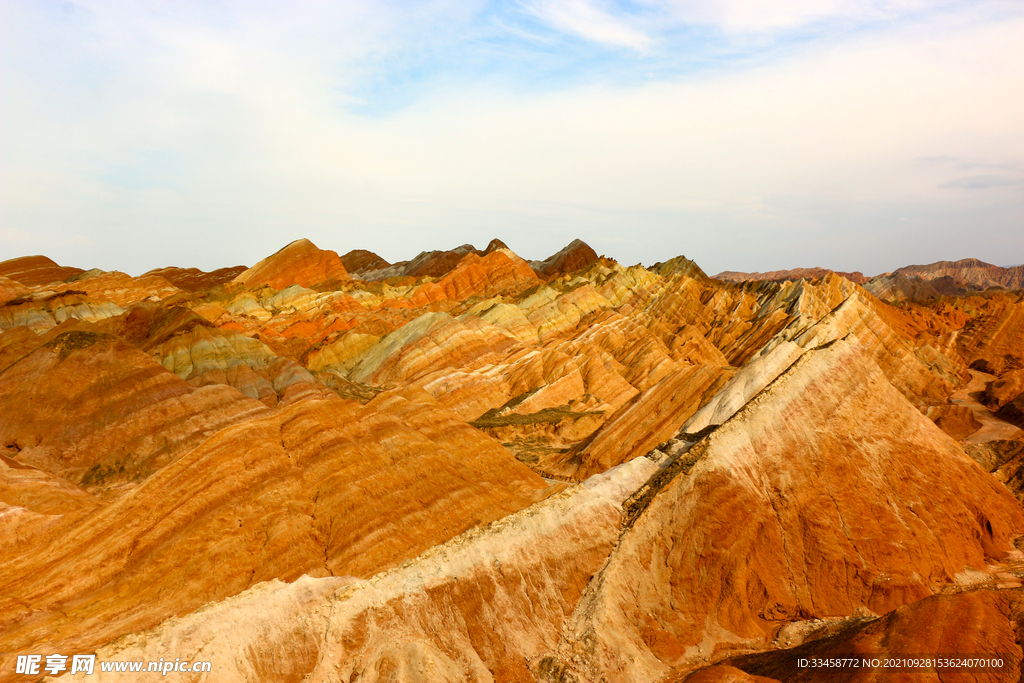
column 809, row 546
column 299, row 263
column 969, row 271
column 944, row 278
column 35, row 270
column 195, row 280
column 981, row 622
column 913, row 287
column 359, row 261
column 574, row 256
column 919, row 283
column 472, row 467
column 793, row 274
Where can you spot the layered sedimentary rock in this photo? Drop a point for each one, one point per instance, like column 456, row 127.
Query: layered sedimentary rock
column 194, row 280
column 921, row 283
column 896, row 287
column 322, row 487
column 1005, row 389
column 40, row 312
column 990, row 339
column 299, row 263
column 35, row 270
column 359, row 261
column 984, row 623
column 118, row 288
column 793, row 274
column 654, row 416
column 472, row 467
column 433, row 619
column 944, row 279
column 430, row 264
column 970, row 272
column 574, row 256
column 105, row 415
column 810, row 545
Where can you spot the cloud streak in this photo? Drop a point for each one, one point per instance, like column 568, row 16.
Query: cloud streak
column 585, row 19
column 210, row 134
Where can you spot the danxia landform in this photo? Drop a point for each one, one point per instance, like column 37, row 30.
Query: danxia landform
column 473, row 467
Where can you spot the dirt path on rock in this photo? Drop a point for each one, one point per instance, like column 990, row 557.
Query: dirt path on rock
column 992, row 428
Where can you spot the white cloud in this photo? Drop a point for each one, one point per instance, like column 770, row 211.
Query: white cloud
column 764, row 15
column 583, row 18
column 810, row 160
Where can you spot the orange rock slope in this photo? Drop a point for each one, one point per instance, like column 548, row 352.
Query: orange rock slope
column 472, row 467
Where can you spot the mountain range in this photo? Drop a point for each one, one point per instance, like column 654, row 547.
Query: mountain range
column 470, row 466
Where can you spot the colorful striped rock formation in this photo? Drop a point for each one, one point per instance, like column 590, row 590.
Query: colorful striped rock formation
column 468, row 466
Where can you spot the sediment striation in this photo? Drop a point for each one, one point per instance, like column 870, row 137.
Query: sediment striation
column 468, row 466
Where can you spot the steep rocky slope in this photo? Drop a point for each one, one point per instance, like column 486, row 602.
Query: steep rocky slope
column 982, row 622
column 472, row 467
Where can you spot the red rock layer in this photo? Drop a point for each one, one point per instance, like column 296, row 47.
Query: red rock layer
column 638, row 427
column 793, row 274
column 969, row 271
column 105, row 415
column 320, row 487
column 119, row 288
column 35, row 270
column 766, row 528
column 896, row 287
column 497, row 273
column 359, row 261
column 308, row 423
column 574, row 256
column 977, row 623
column 990, row 341
column 194, row 280
column 10, row 289
column 299, row 263
column 432, row 619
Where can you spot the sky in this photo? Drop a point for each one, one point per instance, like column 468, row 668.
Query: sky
column 748, row 135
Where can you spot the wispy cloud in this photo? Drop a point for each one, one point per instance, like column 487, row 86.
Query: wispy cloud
column 587, row 20
column 211, row 133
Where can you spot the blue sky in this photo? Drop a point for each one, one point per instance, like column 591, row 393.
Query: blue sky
column 748, row 135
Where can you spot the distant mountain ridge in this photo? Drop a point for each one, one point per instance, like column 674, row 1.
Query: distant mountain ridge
column 370, row 267
column 793, row 274
column 969, row 271
column 917, row 282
